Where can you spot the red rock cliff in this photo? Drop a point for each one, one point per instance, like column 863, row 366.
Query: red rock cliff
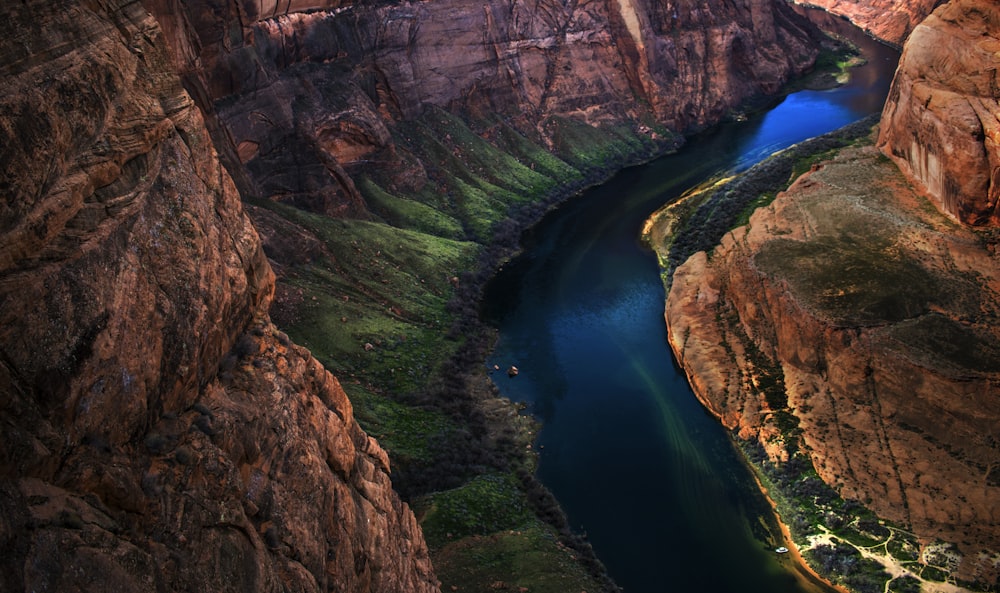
column 304, row 98
column 878, row 315
column 146, row 445
column 880, row 318
column 889, row 20
column 942, row 117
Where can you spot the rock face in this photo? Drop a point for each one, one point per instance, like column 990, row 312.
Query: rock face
column 146, row 445
column 880, row 317
column 875, row 316
column 941, row 117
column 889, row 20
column 305, row 99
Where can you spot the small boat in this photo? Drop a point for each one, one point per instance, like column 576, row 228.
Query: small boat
column 781, row 550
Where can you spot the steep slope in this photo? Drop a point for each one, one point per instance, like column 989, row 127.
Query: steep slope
column 850, row 324
column 851, row 327
column 889, row 20
column 941, row 117
column 128, row 273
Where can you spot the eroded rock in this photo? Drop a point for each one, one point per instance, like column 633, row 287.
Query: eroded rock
column 889, row 20
column 880, row 318
column 305, row 100
column 941, row 118
column 149, row 443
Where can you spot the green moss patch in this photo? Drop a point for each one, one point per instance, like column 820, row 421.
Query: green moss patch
column 487, row 504
column 407, row 433
column 530, row 558
column 853, row 283
column 409, row 214
column 477, row 176
column 587, row 147
column 373, row 310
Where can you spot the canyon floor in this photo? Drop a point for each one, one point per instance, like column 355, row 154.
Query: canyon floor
column 849, row 335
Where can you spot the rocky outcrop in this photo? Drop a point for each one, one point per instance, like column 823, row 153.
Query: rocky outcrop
column 877, row 320
column 888, row 20
column 146, row 444
column 941, row 118
column 305, row 99
column 850, row 323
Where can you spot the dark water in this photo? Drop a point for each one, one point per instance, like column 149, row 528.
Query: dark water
column 634, row 459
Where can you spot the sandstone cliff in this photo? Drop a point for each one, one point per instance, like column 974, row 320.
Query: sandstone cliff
column 309, row 95
column 852, row 323
column 879, row 319
column 889, row 20
column 146, row 444
column 941, row 117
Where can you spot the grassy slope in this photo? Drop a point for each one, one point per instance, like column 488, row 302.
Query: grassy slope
column 391, row 309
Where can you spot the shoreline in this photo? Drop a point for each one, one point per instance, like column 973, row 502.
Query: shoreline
column 806, row 572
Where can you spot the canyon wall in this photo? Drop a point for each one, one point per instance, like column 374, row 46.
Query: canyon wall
column 941, row 122
column 888, row 20
column 308, row 99
column 851, row 323
column 158, row 433
column 874, row 320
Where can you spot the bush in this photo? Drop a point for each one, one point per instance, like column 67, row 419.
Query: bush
column 905, row 584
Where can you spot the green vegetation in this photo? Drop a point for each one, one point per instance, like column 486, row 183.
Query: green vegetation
column 588, row 148
column 407, row 433
column 531, row 558
column 846, row 564
column 833, row 64
column 486, row 504
column 700, row 220
column 905, row 584
column 390, row 306
column 409, row 214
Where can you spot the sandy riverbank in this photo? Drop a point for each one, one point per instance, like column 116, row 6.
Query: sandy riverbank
column 809, row 578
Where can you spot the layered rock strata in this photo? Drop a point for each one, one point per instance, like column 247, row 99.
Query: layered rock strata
column 888, row 20
column 146, row 445
column 307, row 99
column 942, row 117
column 880, row 318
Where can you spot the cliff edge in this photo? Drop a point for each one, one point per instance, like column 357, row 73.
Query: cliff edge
column 852, row 325
column 158, row 433
column 849, row 324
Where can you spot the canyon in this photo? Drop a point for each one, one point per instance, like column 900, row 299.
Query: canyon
column 185, row 181
column 853, row 321
column 308, row 97
column 164, row 163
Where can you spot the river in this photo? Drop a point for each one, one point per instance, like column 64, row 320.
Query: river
column 638, row 465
